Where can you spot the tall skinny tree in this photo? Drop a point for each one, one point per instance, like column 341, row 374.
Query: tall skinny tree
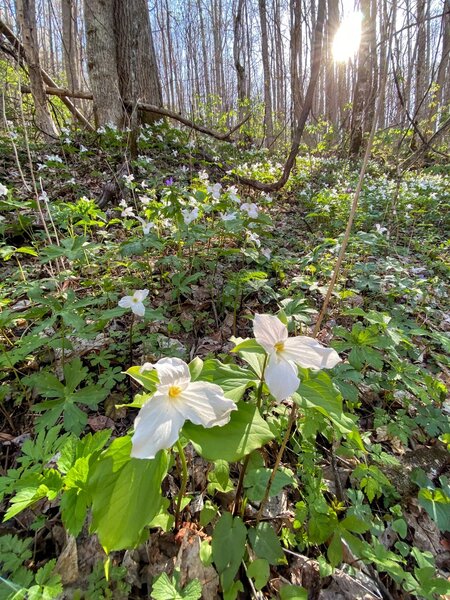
column 26, row 14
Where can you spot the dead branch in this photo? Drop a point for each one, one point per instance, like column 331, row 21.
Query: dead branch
column 60, row 92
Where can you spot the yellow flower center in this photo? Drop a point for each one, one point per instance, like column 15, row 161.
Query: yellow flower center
column 279, row 346
column 174, row 391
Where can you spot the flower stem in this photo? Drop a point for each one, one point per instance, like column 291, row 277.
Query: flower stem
column 131, row 339
column 240, row 485
column 292, row 417
column 184, row 478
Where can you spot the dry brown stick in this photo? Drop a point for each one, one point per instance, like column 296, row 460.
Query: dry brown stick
column 61, row 92
column 164, row 112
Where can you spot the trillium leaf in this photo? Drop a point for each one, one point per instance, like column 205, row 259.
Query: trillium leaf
column 228, row 547
column 232, row 379
column 126, row 494
column 148, row 379
column 251, row 352
column 259, row 571
column 245, row 432
column 317, row 391
column 266, row 544
column 195, row 368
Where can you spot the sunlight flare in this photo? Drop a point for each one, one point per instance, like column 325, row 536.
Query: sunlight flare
column 348, row 37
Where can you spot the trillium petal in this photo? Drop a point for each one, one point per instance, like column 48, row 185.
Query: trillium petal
column 281, row 378
column 204, row 403
column 126, row 302
column 309, row 353
column 268, row 331
column 140, row 295
column 173, row 371
column 156, row 427
column 138, row 308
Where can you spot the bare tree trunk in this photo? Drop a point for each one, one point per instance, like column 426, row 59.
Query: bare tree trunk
column 362, row 91
column 26, row 13
column 330, row 82
column 136, row 57
column 420, row 90
column 102, row 62
column 268, row 120
column 443, row 70
column 295, row 57
column 70, row 45
column 204, row 51
column 239, row 59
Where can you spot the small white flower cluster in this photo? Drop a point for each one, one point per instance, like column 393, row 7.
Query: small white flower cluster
column 251, row 209
column 189, row 215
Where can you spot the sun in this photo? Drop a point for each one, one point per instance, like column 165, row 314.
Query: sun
column 347, row 38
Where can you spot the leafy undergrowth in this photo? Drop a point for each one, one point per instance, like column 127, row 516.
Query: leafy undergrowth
column 359, row 504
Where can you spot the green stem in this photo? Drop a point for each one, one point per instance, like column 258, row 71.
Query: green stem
column 131, row 339
column 240, row 485
column 184, row 478
column 277, row 461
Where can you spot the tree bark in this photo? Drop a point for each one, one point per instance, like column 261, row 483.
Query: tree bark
column 136, row 57
column 362, row 91
column 268, row 119
column 26, row 13
column 102, row 62
column 70, row 45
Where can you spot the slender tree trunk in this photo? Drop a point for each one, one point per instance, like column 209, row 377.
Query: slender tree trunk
column 268, row 119
column 362, row 91
column 420, row 90
column 295, row 57
column 330, row 83
column 204, row 50
column 26, row 13
column 443, row 75
column 70, row 46
column 238, row 56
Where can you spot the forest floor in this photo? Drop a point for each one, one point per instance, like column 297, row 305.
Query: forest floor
column 363, row 510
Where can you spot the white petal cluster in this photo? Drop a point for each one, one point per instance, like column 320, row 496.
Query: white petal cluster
column 177, row 399
column 189, row 215
column 284, row 354
column 215, row 190
column 251, row 209
column 135, row 302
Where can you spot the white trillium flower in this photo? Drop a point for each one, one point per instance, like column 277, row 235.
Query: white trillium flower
column 177, row 399
column 251, row 209
column 146, row 225
column 189, row 215
column 128, row 212
column 228, row 216
column 379, row 229
column 266, row 253
column 214, row 190
column 135, row 302
column 285, row 353
column 3, row 190
column 253, row 237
